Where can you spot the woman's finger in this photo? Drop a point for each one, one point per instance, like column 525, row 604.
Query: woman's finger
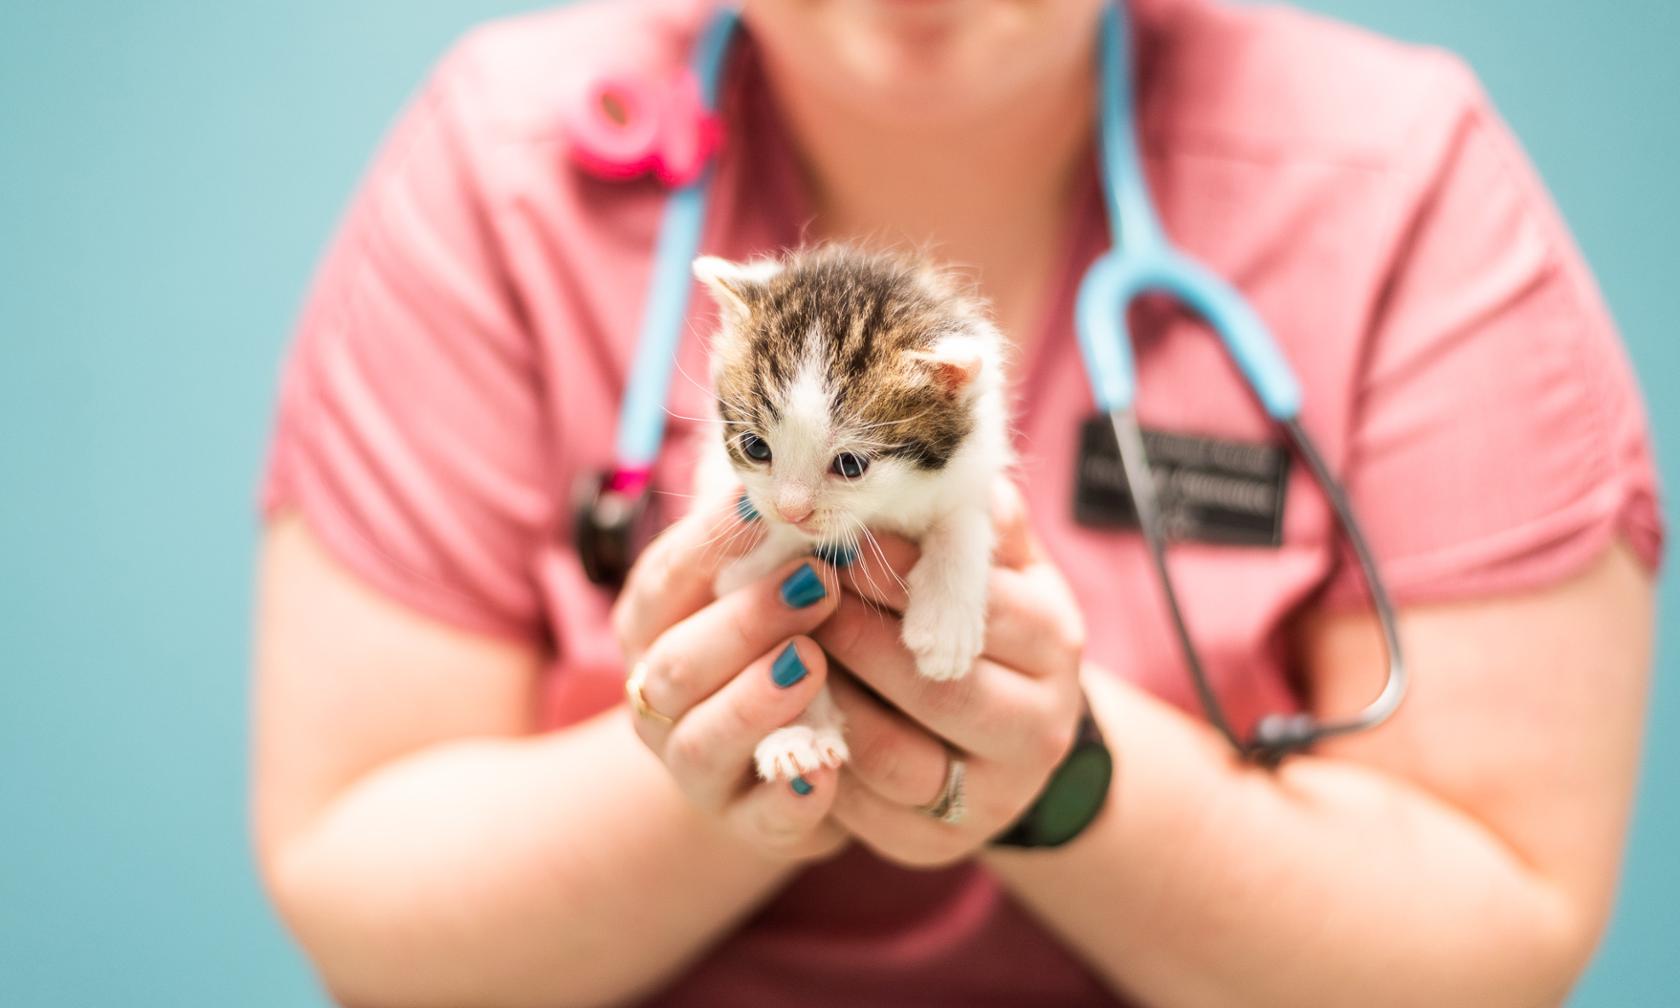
column 879, row 570
column 673, row 577
column 890, row 754
column 1017, row 546
column 909, row 836
column 697, row 656
column 881, row 567
column 710, row 751
column 1033, row 623
column 789, row 821
column 895, row 832
column 993, row 710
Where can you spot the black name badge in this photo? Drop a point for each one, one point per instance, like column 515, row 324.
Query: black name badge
column 1212, row 491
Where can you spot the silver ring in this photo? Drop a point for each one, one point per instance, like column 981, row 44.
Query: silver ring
column 951, row 806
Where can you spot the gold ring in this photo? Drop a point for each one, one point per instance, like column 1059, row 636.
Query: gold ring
column 952, row 803
column 638, row 702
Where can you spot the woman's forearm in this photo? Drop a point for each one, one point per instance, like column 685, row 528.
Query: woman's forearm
column 1205, row 883
column 554, row 870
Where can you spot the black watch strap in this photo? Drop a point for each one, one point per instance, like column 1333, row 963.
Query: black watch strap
column 1072, row 797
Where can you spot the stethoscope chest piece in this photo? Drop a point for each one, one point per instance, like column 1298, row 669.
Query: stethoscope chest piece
column 612, row 521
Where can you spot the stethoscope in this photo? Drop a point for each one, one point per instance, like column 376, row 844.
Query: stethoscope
column 626, row 127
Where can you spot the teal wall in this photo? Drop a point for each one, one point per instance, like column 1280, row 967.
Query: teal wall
column 168, row 172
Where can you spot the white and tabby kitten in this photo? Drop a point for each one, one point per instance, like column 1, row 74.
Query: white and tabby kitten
column 861, row 391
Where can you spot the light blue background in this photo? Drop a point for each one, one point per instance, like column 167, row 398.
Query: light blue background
column 168, row 173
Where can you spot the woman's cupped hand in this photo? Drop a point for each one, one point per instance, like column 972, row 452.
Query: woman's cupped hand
column 1011, row 720
column 708, row 666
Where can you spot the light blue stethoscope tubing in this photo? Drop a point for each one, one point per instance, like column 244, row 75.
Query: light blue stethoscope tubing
column 1141, row 260
column 641, row 421
column 1144, row 260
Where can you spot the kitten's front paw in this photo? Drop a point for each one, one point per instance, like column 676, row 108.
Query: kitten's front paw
column 798, row 749
column 945, row 639
column 831, row 747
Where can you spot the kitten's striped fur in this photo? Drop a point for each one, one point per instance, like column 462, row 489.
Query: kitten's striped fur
column 867, row 315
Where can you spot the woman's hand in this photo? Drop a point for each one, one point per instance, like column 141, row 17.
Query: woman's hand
column 707, row 665
column 1011, row 719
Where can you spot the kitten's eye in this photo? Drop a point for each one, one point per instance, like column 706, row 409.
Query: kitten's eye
column 849, row 464
column 755, row 448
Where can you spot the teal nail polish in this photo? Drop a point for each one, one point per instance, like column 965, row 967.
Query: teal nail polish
column 787, row 669
column 835, row 555
column 745, row 509
column 801, row 786
column 803, row 588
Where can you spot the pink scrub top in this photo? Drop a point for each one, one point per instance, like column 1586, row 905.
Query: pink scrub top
column 461, row 359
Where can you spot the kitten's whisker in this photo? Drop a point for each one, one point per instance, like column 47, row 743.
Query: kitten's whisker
column 724, row 536
column 725, row 544
column 673, row 414
column 874, row 590
column 740, row 407
column 710, row 393
column 718, row 532
column 882, row 555
column 895, row 420
column 690, row 378
column 875, row 445
column 874, row 586
column 875, row 547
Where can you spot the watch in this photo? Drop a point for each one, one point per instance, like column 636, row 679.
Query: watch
column 1072, row 797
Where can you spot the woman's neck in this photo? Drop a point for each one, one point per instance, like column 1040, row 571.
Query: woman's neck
column 993, row 195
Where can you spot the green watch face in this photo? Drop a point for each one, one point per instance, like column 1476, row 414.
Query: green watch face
column 1073, row 795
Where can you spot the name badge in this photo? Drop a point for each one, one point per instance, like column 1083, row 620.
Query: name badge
column 1210, row 490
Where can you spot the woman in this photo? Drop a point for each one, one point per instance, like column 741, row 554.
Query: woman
column 453, row 806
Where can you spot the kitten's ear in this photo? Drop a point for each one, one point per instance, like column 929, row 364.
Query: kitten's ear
column 735, row 286
column 953, row 363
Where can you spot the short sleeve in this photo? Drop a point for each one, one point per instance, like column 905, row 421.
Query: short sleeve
column 409, row 433
column 1499, row 441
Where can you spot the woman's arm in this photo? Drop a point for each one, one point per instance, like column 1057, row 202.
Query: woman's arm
column 1466, row 853
column 427, row 849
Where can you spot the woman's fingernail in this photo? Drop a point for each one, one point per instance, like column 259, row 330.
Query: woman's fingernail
column 803, row 588
column 801, row 786
column 745, row 509
column 835, row 555
column 787, row 669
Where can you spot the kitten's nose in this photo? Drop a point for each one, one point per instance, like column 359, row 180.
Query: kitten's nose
column 793, row 513
column 793, row 504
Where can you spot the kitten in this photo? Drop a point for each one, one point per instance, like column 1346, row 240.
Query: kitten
column 860, row 391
